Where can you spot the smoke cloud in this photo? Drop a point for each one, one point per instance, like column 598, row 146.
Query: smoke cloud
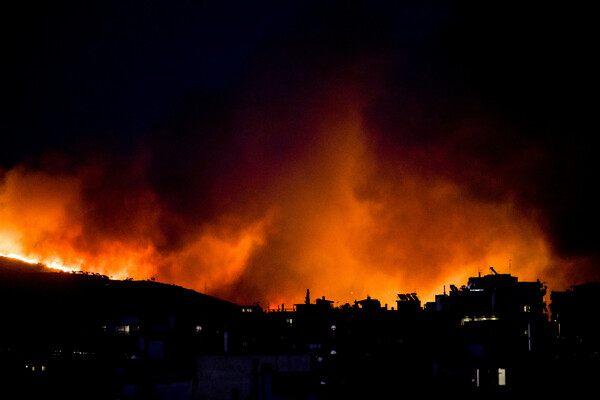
column 350, row 160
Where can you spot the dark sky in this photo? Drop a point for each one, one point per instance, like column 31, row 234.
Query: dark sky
column 110, row 70
column 80, row 78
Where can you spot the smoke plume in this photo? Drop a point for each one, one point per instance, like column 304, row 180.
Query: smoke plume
column 347, row 161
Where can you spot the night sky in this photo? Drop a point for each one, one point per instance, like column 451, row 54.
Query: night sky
column 179, row 129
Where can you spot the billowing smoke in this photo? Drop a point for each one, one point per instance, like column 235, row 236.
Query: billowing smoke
column 356, row 157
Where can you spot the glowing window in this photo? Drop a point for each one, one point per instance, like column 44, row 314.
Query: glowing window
column 123, row 329
column 501, row 377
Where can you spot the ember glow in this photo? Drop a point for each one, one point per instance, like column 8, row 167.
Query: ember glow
column 54, row 264
column 333, row 217
column 357, row 154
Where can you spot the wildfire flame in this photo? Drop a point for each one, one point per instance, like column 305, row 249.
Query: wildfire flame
column 53, row 264
column 316, row 175
column 334, row 218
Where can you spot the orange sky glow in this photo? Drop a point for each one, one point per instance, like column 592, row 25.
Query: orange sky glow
column 332, row 218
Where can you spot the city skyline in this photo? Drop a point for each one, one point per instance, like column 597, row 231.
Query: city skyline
column 85, row 335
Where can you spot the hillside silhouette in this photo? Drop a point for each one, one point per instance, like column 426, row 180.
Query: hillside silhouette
column 83, row 335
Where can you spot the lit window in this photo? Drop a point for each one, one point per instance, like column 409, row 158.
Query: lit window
column 527, row 308
column 501, row 377
column 124, row 329
column 289, row 321
column 477, row 319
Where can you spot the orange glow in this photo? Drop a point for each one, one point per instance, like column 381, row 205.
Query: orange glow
column 334, row 216
column 53, row 264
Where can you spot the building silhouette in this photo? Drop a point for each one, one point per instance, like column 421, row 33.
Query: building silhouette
column 86, row 336
column 576, row 328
